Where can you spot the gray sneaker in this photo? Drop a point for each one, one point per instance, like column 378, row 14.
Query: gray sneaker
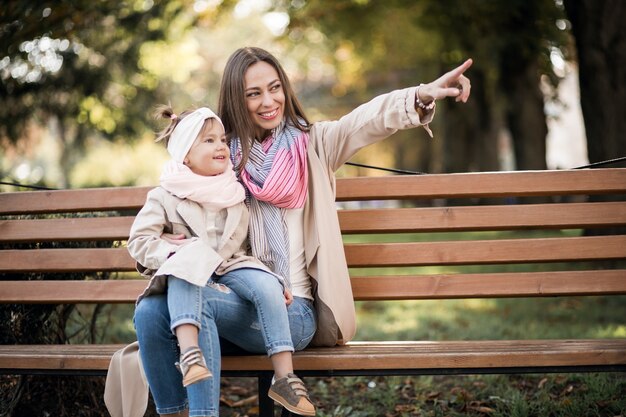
column 291, row 393
column 193, row 366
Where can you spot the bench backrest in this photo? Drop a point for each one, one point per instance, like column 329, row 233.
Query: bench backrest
column 396, row 229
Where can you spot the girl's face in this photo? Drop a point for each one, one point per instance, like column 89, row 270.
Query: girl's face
column 209, row 154
column 265, row 97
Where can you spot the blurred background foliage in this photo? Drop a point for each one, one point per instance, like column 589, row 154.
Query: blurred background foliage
column 79, row 79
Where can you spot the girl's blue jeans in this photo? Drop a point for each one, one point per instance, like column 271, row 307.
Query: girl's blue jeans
column 245, row 307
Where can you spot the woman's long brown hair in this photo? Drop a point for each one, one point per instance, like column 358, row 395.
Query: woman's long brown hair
column 233, row 109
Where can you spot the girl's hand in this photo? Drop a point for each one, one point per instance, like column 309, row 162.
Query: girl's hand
column 288, row 297
column 178, row 239
column 451, row 84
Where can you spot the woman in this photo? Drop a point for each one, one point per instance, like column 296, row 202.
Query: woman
column 271, row 137
column 287, row 165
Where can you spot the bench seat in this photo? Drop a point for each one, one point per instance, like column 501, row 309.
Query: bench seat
column 416, row 357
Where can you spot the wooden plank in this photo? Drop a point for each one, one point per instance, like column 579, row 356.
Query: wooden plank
column 507, row 217
column 513, row 217
column 471, row 252
column 71, row 291
column 481, row 252
column 66, row 260
column 492, row 285
column 67, row 229
column 70, row 201
column 388, row 287
column 357, row 355
column 490, row 184
column 484, row 184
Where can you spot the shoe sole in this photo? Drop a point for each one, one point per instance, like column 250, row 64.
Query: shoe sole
column 197, row 378
column 280, row 400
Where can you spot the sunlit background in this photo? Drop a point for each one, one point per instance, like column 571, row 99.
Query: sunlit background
column 97, row 131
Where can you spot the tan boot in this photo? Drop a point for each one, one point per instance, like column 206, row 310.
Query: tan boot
column 193, row 366
column 291, row 393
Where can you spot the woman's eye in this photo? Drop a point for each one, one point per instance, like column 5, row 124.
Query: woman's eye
column 275, row 87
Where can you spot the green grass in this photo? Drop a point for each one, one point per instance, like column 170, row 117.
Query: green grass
column 483, row 319
column 482, row 395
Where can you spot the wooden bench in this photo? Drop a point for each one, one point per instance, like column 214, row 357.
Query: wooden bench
column 581, row 264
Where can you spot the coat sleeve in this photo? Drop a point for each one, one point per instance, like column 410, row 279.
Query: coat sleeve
column 145, row 244
column 371, row 122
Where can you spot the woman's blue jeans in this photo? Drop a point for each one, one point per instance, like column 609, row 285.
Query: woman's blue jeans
column 226, row 311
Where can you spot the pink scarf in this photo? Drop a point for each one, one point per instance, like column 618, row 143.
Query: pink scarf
column 217, row 192
column 276, row 178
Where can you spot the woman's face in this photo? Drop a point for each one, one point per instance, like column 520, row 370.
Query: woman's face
column 265, row 97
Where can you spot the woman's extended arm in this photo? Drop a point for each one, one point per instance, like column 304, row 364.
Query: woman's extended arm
column 381, row 117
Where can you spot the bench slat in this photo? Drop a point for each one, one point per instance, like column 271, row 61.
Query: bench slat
column 390, row 287
column 69, row 201
column 471, row 252
column 490, row 184
column 480, row 252
column 357, row 355
column 66, row 260
column 484, row 184
column 68, row 229
column 511, row 217
column 500, row 285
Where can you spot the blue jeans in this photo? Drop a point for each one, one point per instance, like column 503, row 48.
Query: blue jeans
column 223, row 313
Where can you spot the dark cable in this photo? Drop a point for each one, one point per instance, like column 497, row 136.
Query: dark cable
column 36, row 187
column 597, row 164
column 398, row 171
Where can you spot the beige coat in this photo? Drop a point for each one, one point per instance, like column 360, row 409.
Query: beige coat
column 331, row 144
column 196, row 261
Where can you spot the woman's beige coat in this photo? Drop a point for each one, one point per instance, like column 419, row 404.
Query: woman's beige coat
column 331, row 144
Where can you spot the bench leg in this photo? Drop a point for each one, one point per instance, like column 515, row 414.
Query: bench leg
column 266, row 404
column 287, row 413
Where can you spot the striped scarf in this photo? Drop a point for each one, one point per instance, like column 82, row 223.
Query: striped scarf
column 276, row 179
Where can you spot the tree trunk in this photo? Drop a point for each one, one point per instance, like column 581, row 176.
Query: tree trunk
column 471, row 132
column 600, row 34
column 525, row 117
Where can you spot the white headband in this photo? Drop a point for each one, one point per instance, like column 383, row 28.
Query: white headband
column 186, row 132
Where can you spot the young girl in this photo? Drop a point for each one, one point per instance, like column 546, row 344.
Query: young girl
column 201, row 201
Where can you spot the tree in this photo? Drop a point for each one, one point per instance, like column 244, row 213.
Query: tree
column 75, row 66
column 400, row 42
column 600, row 34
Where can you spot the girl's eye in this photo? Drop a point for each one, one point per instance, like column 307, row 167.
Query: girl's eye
column 250, row 95
column 275, row 87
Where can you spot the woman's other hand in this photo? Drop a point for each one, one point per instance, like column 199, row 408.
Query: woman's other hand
column 451, row 84
column 288, row 297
